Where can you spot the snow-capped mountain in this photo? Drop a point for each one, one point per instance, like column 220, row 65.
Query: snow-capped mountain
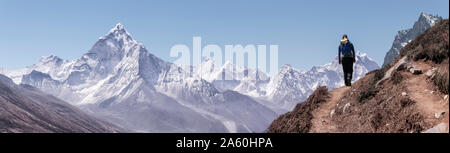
column 120, row 81
column 288, row 87
column 232, row 77
column 404, row 37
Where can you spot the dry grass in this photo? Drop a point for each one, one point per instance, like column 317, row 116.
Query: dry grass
column 379, row 108
column 441, row 80
column 397, row 77
column 371, row 90
column 432, row 45
column 384, row 112
column 299, row 120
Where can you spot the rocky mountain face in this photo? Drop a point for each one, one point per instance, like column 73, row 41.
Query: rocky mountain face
column 404, row 37
column 409, row 95
column 25, row 109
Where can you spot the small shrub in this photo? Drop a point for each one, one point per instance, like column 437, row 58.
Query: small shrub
column 397, row 78
column 379, row 74
column 435, row 54
column 420, row 55
column 441, row 80
column 377, row 121
column 367, row 94
column 406, row 102
column 401, row 67
column 371, row 90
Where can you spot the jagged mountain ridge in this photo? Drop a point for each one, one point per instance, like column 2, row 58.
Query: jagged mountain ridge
column 404, row 37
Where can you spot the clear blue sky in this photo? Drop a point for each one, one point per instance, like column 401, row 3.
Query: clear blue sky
column 307, row 32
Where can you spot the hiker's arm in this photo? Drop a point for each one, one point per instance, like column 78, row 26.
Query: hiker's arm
column 339, row 54
column 353, row 52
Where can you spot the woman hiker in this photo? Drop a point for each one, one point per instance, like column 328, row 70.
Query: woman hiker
column 347, row 58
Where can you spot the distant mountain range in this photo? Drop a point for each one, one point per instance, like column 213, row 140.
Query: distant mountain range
column 288, row 87
column 119, row 81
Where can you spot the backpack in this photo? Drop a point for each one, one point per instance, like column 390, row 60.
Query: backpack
column 346, row 50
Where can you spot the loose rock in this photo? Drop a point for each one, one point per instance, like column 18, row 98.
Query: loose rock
column 346, row 106
column 415, row 71
column 430, row 73
column 332, row 113
column 404, row 94
column 437, row 115
column 440, row 128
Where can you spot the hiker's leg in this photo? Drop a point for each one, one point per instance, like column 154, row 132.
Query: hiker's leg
column 345, row 66
column 349, row 78
column 346, row 78
column 344, row 69
column 350, row 72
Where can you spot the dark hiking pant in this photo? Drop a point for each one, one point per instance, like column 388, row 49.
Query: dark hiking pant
column 347, row 65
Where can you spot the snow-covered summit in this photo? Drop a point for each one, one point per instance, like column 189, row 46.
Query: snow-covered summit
column 120, row 81
column 118, row 32
column 428, row 19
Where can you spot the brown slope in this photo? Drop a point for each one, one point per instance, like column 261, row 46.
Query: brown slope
column 299, row 119
column 24, row 109
column 321, row 121
column 392, row 99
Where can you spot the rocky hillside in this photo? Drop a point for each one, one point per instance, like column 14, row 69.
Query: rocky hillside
column 410, row 95
column 24, row 108
column 404, row 37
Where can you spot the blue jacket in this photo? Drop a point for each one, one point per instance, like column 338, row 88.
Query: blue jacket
column 352, row 49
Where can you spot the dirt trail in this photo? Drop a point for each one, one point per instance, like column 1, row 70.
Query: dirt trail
column 420, row 90
column 321, row 122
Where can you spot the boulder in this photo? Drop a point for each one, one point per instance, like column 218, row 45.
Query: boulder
column 415, row 71
column 440, row 128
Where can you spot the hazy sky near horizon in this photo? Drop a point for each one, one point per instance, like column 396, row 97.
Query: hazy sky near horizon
column 307, row 32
